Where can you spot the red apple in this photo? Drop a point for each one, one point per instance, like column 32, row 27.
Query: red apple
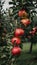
column 25, row 21
column 22, row 12
column 19, row 32
column 15, row 40
column 16, row 51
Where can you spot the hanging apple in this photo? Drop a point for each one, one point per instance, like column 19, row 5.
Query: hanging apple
column 15, row 40
column 16, row 51
column 22, row 13
column 19, row 32
column 25, row 21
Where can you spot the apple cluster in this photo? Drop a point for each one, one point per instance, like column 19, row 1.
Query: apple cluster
column 16, row 41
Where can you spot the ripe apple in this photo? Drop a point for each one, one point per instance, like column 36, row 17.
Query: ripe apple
column 22, row 13
column 25, row 21
column 16, row 51
column 19, row 32
column 15, row 40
